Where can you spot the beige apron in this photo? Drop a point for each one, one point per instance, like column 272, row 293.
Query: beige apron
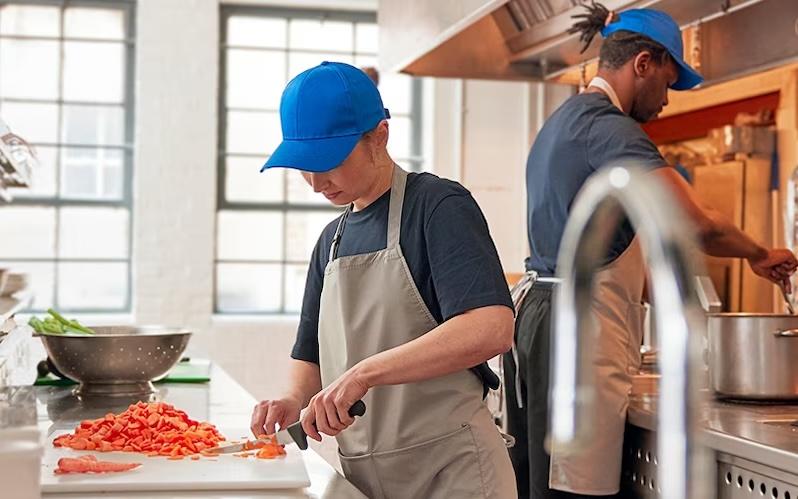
column 430, row 439
column 619, row 312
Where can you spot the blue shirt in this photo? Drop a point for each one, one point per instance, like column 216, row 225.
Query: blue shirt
column 583, row 135
column 445, row 240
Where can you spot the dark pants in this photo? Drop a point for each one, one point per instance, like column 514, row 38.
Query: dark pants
column 528, row 424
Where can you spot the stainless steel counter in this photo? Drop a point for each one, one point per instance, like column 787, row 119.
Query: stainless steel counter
column 222, row 402
column 759, row 433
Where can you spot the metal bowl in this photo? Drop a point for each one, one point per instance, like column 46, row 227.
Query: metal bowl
column 117, row 360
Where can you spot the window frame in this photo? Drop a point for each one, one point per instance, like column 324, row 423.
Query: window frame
column 126, row 148
column 415, row 161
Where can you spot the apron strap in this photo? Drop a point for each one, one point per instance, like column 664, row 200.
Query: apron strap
column 336, row 242
column 398, row 182
column 604, row 85
column 518, row 293
column 395, row 208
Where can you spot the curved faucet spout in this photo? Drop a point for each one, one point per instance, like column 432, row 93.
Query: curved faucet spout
column 668, row 244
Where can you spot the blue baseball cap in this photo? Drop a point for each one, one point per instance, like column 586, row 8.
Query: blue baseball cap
column 661, row 28
column 323, row 113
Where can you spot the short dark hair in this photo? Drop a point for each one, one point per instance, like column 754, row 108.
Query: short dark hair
column 621, row 46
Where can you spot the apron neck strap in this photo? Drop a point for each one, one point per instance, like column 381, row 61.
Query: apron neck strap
column 395, row 208
column 336, row 242
column 398, row 182
column 605, row 86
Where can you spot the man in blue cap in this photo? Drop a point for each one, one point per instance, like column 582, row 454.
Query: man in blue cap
column 405, row 295
column 640, row 59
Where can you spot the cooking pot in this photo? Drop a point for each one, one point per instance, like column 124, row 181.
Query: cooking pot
column 753, row 356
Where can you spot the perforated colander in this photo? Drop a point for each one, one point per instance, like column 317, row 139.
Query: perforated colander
column 117, row 360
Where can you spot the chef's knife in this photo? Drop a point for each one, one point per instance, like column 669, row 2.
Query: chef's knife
column 292, row 434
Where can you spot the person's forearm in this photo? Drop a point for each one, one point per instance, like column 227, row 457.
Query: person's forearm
column 460, row 343
column 722, row 238
column 719, row 237
column 305, row 381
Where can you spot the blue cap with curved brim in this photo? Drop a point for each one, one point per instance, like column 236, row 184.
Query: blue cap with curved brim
column 661, row 28
column 324, row 111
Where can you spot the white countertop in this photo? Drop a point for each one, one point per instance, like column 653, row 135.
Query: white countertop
column 222, row 402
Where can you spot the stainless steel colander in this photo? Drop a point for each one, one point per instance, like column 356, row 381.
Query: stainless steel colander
column 117, row 360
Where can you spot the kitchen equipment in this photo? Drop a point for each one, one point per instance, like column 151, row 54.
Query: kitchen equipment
column 731, row 140
column 667, row 246
column 787, row 301
column 292, row 434
column 185, row 371
column 226, row 472
column 753, row 356
column 117, row 360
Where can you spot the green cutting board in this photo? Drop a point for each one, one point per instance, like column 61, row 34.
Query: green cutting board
column 192, row 371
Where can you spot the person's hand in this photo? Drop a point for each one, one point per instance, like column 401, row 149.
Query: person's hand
column 328, row 410
column 269, row 413
column 776, row 266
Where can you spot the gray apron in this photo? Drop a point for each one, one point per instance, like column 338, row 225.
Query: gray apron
column 429, row 439
column 619, row 313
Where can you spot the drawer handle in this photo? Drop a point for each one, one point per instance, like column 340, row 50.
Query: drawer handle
column 787, row 333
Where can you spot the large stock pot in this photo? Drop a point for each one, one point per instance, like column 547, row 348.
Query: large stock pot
column 753, row 356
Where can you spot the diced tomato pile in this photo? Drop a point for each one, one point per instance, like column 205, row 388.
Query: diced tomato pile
column 155, row 429
column 90, row 464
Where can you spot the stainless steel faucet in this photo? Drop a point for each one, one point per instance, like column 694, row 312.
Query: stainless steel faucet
column 668, row 244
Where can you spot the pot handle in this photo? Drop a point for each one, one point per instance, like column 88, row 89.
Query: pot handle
column 786, row 333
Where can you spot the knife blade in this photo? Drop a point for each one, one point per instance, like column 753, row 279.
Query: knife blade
column 295, row 434
column 239, row 447
column 292, row 434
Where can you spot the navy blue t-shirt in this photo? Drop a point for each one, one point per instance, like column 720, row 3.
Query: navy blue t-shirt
column 445, row 240
column 583, row 135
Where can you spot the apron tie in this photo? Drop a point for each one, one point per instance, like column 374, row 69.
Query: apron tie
column 518, row 293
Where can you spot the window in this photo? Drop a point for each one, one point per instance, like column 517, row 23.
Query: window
column 268, row 223
column 66, row 87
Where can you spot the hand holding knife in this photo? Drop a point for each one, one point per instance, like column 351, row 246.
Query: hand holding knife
column 292, row 434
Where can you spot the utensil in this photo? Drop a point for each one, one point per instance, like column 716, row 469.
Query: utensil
column 752, row 356
column 787, row 301
column 292, row 434
column 117, row 360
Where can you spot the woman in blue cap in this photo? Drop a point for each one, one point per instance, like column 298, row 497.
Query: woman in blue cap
column 405, row 295
column 640, row 59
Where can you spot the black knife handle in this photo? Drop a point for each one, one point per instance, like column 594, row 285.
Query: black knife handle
column 357, row 409
column 301, row 438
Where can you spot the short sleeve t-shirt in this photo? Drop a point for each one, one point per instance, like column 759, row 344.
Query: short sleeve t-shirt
column 583, row 135
column 445, row 240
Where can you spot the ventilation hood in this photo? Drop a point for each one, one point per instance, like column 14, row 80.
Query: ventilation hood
column 528, row 40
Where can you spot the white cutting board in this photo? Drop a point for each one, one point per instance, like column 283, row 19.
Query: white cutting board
column 158, row 473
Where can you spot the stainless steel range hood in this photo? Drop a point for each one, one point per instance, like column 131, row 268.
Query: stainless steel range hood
column 528, row 40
